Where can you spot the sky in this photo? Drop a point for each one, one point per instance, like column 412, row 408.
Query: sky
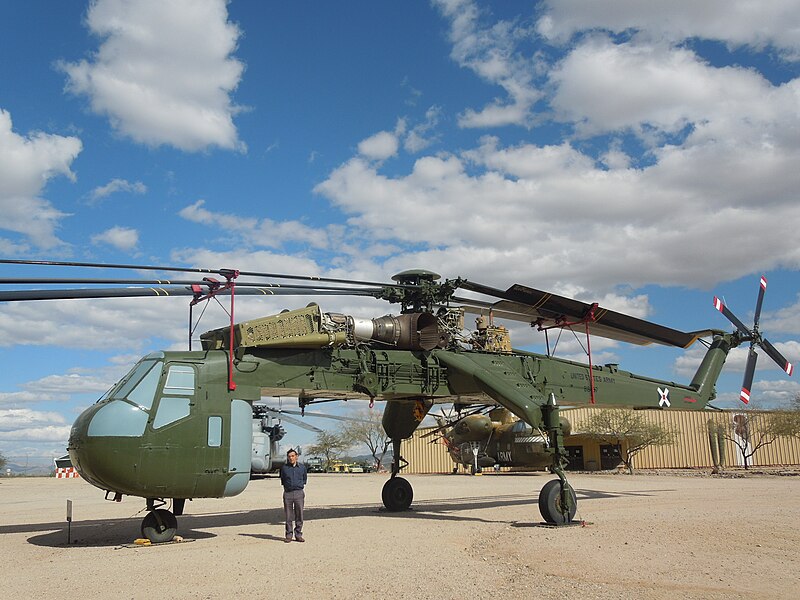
column 643, row 155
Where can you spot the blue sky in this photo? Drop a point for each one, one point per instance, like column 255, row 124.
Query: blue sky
column 639, row 154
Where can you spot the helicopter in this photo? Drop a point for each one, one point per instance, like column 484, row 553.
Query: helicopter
column 268, row 431
column 477, row 440
column 178, row 425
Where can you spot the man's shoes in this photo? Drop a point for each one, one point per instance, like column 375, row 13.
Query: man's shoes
column 288, row 539
column 299, row 538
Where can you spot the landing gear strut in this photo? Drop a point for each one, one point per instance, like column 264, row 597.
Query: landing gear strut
column 397, row 493
column 557, row 501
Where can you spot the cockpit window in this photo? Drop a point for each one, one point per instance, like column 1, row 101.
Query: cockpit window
column 180, row 380
column 171, row 410
column 135, row 376
column 520, row 427
column 144, row 392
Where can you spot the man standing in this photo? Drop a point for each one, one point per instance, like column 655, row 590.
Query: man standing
column 293, row 479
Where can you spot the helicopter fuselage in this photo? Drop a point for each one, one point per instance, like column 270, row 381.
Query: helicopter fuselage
column 173, row 427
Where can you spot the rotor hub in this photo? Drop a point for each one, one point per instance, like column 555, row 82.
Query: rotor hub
column 415, row 276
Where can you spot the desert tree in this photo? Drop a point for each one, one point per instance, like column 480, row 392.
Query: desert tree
column 367, row 430
column 750, row 430
column 629, row 431
column 329, row 445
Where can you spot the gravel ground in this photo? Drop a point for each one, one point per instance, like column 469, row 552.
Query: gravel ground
column 645, row 536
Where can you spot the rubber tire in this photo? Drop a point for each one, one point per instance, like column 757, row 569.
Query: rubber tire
column 397, row 494
column 159, row 526
column 550, row 503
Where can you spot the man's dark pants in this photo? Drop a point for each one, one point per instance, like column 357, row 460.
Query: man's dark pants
column 293, row 503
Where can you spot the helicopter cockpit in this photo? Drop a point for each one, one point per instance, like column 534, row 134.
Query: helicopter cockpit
column 127, row 406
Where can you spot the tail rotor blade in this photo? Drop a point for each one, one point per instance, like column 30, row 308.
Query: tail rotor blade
column 720, row 306
column 760, row 301
column 777, row 357
column 749, row 371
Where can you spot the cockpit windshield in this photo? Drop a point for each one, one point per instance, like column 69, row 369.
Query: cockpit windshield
column 139, row 385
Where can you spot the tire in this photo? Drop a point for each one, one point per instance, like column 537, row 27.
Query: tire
column 159, row 526
column 550, row 503
column 397, row 494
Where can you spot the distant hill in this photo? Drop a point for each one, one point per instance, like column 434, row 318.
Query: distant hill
column 33, row 471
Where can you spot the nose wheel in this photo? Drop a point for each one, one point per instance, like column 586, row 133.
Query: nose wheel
column 159, row 526
column 397, row 494
column 557, row 506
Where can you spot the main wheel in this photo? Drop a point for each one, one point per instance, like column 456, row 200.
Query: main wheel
column 550, row 503
column 159, row 526
column 397, row 494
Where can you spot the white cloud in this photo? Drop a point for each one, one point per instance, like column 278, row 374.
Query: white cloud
column 490, row 52
column 118, row 185
column 26, row 164
column 128, row 324
column 420, row 136
column 164, row 72
column 735, row 22
column 259, row 232
column 28, row 397
column 604, row 87
column 71, row 383
column 554, row 213
column 49, row 433
column 16, row 418
column 688, row 362
column 380, row 146
column 121, row 238
column 776, row 393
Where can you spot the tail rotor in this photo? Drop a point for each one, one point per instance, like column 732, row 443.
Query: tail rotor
column 756, row 340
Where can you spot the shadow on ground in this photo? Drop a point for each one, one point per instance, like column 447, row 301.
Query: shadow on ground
column 116, row 532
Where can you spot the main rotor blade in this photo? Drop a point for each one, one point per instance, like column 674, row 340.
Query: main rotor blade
column 71, row 294
column 749, row 371
column 777, row 357
column 159, row 282
column 222, row 272
column 760, row 301
column 300, row 423
column 522, row 303
column 720, row 306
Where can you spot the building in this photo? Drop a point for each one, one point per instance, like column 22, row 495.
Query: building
column 691, row 450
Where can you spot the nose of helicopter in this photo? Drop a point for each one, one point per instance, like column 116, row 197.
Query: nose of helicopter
column 101, row 455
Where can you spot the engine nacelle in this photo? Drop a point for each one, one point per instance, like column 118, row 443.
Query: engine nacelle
column 309, row 327
column 412, row 331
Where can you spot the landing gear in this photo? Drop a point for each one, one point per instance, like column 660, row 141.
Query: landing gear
column 397, row 493
column 557, row 501
column 552, row 507
column 159, row 526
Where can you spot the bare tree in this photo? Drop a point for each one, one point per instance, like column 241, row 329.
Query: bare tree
column 368, row 430
column 750, row 430
column 3, row 462
column 629, row 431
column 329, row 445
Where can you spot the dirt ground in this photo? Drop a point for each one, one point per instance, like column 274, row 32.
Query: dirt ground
column 646, row 536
